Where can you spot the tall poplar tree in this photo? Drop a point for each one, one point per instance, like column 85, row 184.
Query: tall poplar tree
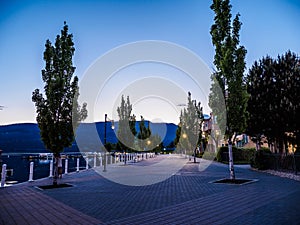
column 58, row 111
column 189, row 132
column 126, row 131
column 229, row 61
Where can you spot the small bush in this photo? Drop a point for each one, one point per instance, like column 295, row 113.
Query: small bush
column 248, row 154
column 262, row 159
column 244, row 155
column 222, row 155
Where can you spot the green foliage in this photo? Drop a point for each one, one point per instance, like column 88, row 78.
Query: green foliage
column 244, row 155
column 274, row 104
column 58, row 112
column 262, row 159
column 230, row 65
column 144, row 133
column 189, row 133
column 222, row 154
column 109, row 146
column 126, row 131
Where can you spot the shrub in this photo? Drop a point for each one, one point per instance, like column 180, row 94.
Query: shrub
column 262, row 159
column 222, row 155
column 248, row 154
column 244, row 155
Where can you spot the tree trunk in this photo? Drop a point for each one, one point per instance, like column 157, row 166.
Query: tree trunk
column 231, row 166
column 275, row 146
column 195, row 150
column 257, row 144
column 55, row 170
column 281, row 145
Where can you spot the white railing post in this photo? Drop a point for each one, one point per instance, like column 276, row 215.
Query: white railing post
column 66, row 165
column 87, row 162
column 51, row 168
column 3, row 175
column 105, row 162
column 77, row 167
column 100, row 159
column 31, row 172
column 95, row 160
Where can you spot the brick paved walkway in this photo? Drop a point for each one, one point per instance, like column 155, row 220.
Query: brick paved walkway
column 186, row 197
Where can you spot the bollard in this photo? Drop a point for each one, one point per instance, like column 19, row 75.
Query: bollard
column 77, row 169
column 3, row 175
column 31, row 172
column 66, row 166
column 105, row 162
column 100, row 159
column 87, row 162
column 51, row 168
column 95, row 160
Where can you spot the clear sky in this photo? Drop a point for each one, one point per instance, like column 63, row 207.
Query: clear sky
column 269, row 27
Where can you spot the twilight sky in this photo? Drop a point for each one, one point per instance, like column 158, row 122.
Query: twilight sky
column 270, row 27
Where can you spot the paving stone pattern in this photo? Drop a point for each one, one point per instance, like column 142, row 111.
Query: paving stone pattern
column 187, row 197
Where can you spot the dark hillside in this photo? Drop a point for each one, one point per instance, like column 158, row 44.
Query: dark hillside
column 24, row 138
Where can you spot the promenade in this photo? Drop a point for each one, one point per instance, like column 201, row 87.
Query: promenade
column 129, row 195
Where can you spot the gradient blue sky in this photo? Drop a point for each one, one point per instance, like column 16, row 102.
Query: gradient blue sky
column 269, row 27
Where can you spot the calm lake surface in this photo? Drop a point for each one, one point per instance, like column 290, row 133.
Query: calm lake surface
column 20, row 164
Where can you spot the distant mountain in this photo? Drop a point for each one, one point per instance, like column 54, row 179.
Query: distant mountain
column 24, row 138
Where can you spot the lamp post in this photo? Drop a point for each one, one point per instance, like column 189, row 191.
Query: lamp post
column 106, row 119
column 184, row 136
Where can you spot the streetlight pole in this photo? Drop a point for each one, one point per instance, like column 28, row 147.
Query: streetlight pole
column 105, row 122
column 106, row 119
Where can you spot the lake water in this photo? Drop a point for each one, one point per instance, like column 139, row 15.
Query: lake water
column 21, row 164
